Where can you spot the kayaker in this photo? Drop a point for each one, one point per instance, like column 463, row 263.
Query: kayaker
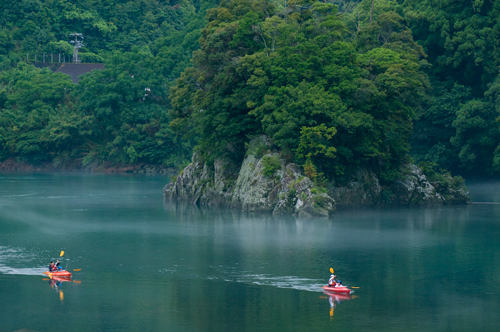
column 332, row 282
column 53, row 267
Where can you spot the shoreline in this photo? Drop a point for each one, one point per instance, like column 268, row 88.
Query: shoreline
column 13, row 166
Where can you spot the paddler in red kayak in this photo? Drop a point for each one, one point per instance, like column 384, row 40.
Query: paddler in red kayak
column 331, row 281
column 54, row 267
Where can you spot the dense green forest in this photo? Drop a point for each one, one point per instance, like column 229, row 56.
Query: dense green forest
column 335, row 85
column 356, row 84
column 109, row 116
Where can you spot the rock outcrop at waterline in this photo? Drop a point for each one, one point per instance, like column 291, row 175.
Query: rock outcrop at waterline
column 411, row 189
column 286, row 191
column 268, row 183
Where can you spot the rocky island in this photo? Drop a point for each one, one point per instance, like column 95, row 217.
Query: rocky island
column 281, row 188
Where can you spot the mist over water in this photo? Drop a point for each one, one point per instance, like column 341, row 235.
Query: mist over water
column 148, row 264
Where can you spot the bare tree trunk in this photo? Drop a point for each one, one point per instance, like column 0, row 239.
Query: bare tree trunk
column 371, row 13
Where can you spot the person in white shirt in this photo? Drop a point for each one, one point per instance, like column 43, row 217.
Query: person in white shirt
column 332, row 282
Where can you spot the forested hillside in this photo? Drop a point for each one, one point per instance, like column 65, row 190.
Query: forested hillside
column 349, row 85
column 459, row 128
column 117, row 115
column 334, row 85
column 43, row 26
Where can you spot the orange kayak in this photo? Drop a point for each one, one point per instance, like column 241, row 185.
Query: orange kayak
column 339, row 290
column 60, row 273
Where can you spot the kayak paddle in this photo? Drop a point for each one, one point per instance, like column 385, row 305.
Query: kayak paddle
column 62, row 253
column 331, row 270
column 77, row 269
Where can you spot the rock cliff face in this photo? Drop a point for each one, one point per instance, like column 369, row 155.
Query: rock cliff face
column 283, row 190
column 265, row 182
column 412, row 189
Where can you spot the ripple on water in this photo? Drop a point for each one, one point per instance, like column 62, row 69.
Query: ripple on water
column 232, row 275
column 293, row 282
column 9, row 256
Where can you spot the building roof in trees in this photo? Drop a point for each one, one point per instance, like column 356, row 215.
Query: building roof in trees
column 76, row 69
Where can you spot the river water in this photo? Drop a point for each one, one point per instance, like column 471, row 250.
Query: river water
column 150, row 265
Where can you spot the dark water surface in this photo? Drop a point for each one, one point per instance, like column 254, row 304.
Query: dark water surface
column 150, row 265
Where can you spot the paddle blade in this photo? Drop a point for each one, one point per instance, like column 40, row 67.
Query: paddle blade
column 354, row 287
column 77, row 269
column 331, row 270
column 45, row 279
column 62, row 253
column 77, row 281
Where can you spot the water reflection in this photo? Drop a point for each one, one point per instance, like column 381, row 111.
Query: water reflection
column 56, row 283
column 335, row 299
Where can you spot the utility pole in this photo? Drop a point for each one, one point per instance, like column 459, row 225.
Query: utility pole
column 78, row 44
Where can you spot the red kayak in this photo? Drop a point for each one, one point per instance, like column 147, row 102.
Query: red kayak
column 338, row 289
column 60, row 273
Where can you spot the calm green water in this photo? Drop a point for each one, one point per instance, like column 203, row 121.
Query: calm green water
column 151, row 265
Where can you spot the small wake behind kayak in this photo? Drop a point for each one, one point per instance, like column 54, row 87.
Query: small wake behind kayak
column 60, row 273
column 339, row 290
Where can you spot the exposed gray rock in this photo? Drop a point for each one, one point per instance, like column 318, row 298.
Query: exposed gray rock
column 412, row 189
column 283, row 192
column 363, row 190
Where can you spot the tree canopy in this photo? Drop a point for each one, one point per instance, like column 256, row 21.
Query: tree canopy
column 119, row 114
column 297, row 76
